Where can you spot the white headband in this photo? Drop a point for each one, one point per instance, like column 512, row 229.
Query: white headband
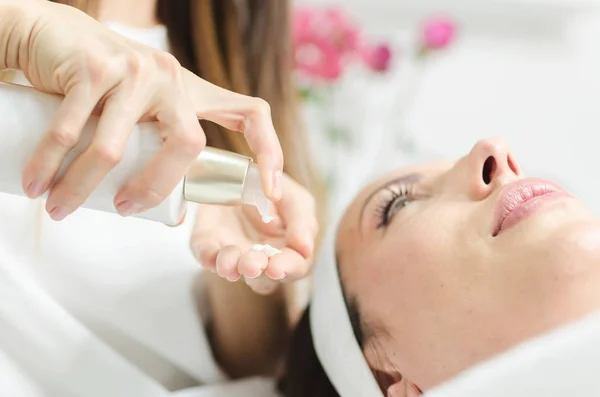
column 333, row 337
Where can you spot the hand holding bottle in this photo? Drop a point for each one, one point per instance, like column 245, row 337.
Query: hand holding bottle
column 63, row 51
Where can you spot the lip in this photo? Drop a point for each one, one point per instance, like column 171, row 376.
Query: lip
column 520, row 199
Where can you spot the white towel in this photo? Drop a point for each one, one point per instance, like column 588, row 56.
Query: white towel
column 565, row 362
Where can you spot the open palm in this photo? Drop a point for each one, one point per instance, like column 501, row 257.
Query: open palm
column 223, row 238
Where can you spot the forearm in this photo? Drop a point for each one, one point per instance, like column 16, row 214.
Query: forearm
column 16, row 18
column 248, row 331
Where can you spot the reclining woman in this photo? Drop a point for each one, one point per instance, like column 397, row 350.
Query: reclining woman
column 442, row 266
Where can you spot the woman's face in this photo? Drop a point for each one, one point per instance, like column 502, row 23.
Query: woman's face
column 453, row 263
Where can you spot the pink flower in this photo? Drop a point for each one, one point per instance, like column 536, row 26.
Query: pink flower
column 377, row 58
column 318, row 59
column 327, row 40
column 343, row 32
column 323, row 40
column 437, row 33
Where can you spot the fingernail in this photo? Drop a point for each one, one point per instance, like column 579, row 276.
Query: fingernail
column 58, row 213
column 278, row 278
column 34, row 189
column 233, row 279
column 257, row 275
column 277, row 185
column 127, row 208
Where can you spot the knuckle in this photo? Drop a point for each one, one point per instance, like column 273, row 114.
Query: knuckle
column 67, row 196
column 167, row 62
column 64, row 136
column 96, row 69
column 260, row 107
column 135, row 63
column 106, row 71
column 151, row 197
column 191, row 140
column 195, row 143
column 107, row 154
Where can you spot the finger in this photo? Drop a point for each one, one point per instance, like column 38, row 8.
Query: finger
column 227, row 262
column 62, row 135
column 206, row 253
column 183, row 141
column 252, row 117
column 288, row 265
column 298, row 214
column 262, row 285
column 120, row 113
column 252, row 264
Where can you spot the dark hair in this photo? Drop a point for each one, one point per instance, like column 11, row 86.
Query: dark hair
column 304, row 375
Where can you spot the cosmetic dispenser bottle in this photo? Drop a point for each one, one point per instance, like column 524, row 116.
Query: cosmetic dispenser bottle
column 216, row 177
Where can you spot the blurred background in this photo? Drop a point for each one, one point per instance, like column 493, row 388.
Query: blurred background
column 386, row 83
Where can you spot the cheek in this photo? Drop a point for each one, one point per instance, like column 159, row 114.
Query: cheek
column 421, row 290
column 424, row 254
column 413, row 269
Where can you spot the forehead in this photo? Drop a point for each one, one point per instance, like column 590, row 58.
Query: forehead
column 348, row 231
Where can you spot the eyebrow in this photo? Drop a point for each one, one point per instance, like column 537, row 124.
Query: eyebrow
column 402, row 179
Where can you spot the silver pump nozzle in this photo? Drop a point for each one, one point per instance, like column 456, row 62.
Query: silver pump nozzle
column 225, row 178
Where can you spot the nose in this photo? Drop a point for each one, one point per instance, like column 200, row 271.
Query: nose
column 489, row 164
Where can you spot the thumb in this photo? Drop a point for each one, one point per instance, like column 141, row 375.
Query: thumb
column 297, row 211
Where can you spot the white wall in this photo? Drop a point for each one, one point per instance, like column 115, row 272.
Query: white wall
column 525, row 70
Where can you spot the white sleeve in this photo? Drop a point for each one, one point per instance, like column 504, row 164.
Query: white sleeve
column 58, row 354
column 16, row 382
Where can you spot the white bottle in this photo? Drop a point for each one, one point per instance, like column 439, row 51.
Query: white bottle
column 216, row 177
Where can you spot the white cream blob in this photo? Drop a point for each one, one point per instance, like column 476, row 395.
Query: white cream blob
column 266, row 248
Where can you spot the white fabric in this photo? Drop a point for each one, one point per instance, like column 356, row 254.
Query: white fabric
column 99, row 305
column 564, row 362
column 333, row 338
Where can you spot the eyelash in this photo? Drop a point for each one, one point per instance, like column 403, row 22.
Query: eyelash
column 405, row 193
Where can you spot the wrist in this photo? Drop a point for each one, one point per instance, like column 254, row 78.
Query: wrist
column 16, row 20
